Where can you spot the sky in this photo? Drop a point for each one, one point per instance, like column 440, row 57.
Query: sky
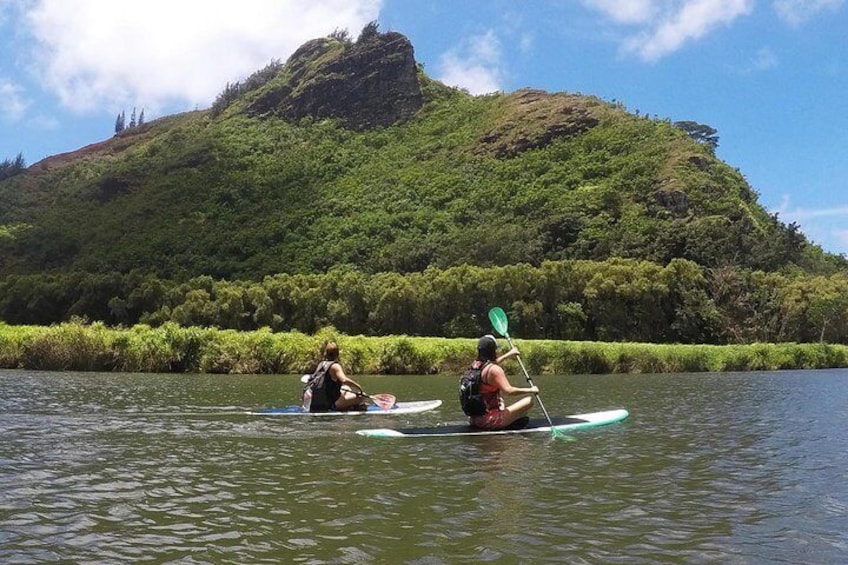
column 771, row 76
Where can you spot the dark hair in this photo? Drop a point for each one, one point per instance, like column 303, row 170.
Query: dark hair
column 487, row 348
column 331, row 351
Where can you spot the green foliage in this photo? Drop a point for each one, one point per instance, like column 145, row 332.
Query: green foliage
column 401, row 356
column 233, row 91
column 11, row 344
column 582, row 220
column 120, row 122
column 82, row 347
column 618, row 300
column 238, row 197
column 12, row 167
column 341, row 35
column 69, row 347
column 225, row 98
column 701, row 133
column 10, row 232
column 370, row 30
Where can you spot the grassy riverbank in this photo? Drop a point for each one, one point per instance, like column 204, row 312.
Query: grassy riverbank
column 170, row 348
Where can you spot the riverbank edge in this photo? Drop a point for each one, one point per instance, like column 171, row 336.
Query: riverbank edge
column 76, row 346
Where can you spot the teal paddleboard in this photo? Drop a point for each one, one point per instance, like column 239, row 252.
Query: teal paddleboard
column 566, row 424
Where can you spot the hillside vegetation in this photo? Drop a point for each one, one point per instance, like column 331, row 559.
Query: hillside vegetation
column 349, row 156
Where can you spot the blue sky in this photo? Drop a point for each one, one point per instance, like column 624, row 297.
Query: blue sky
column 770, row 75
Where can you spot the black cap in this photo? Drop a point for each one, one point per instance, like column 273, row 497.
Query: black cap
column 487, row 346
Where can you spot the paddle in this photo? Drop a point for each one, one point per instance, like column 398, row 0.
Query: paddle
column 501, row 324
column 383, row 400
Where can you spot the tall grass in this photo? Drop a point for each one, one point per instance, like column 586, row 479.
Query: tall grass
column 76, row 346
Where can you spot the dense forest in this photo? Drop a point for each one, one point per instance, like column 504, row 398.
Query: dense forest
column 613, row 300
column 347, row 188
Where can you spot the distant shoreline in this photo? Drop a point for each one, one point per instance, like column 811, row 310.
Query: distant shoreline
column 170, row 348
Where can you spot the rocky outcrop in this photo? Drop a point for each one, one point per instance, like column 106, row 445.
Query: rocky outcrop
column 370, row 83
column 673, row 201
column 533, row 118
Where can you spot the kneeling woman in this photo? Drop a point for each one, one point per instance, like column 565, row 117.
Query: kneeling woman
column 326, row 383
column 494, row 386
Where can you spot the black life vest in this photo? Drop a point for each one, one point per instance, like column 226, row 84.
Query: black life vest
column 323, row 388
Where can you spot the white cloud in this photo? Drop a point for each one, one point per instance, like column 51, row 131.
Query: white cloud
column 800, row 214
column 797, row 214
column 626, row 11
column 796, row 12
column 692, row 20
column 824, row 226
column 8, row 9
column 44, row 123
column 763, row 60
column 98, row 53
column 664, row 26
column 475, row 66
column 13, row 105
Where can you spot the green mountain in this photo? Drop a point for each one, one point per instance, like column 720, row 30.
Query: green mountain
column 348, row 154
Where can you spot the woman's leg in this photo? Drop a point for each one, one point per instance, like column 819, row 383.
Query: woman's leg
column 349, row 400
column 516, row 410
column 499, row 419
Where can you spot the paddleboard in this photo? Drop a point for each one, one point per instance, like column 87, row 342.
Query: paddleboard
column 568, row 423
column 412, row 407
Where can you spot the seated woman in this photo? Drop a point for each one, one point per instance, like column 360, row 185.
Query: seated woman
column 325, row 386
column 495, row 385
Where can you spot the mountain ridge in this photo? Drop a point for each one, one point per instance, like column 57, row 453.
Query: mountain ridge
column 348, row 154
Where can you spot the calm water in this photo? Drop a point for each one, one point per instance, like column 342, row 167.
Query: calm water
column 730, row 468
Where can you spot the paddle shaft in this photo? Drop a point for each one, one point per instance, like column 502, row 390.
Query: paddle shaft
column 530, row 382
column 346, row 388
column 362, row 394
column 379, row 402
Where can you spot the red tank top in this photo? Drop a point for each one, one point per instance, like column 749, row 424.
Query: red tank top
column 490, row 393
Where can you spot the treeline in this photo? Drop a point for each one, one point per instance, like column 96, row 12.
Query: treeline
column 614, row 301
column 121, row 121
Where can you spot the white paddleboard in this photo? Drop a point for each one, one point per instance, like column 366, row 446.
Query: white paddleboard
column 412, row 407
column 568, row 423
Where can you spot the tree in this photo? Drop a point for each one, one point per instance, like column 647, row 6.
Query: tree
column 11, row 167
column 225, row 98
column 132, row 119
column 341, row 35
column 141, row 118
column 828, row 303
column 701, row 133
column 626, row 300
column 120, row 122
column 370, row 31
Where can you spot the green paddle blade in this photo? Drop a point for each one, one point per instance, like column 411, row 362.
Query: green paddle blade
column 498, row 318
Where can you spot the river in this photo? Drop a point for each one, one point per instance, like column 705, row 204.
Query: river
column 708, row 468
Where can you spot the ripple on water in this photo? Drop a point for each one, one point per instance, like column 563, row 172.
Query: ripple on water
column 121, row 468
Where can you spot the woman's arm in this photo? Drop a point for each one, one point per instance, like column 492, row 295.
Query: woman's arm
column 508, row 355
column 498, row 378
column 338, row 374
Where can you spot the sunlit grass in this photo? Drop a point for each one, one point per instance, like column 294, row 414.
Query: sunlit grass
column 171, row 348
